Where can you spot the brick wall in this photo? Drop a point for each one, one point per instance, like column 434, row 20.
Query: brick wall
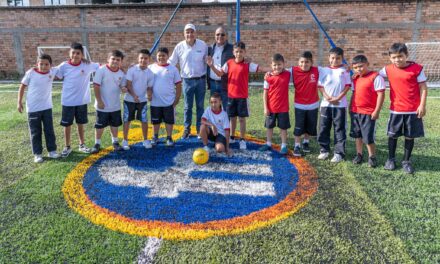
column 367, row 27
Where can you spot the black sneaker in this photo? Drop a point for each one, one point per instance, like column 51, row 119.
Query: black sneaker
column 66, row 152
column 297, row 151
column 407, row 167
column 117, row 147
column 96, row 148
column 358, row 159
column 306, row 148
column 154, row 141
column 372, row 162
column 390, row 164
column 186, row 134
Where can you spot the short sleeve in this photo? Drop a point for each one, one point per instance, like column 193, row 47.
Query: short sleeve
column 129, row 75
column 266, row 85
column 253, row 67
column 27, row 77
column 205, row 113
column 60, row 72
column 94, row 66
column 422, row 77
column 379, row 83
column 174, row 58
column 225, row 68
column 177, row 79
column 98, row 77
column 347, row 79
column 150, row 78
column 383, row 72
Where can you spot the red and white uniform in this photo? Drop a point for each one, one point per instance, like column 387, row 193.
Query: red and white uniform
column 334, row 80
column 220, row 119
column 39, row 89
column 110, row 83
column 404, row 87
column 277, row 87
column 238, row 77
column 166, row 77
column 365, row 90
column 306, row 88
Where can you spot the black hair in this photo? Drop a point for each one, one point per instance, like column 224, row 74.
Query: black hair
column 45, row 57
column 216, row 95
column 77, row 46
column 359, row 59
column 145, row 52
column 307, row 55
column 278, row 57
column 336, row 51
column 240, row 45
column 164, row 50
column 116, row 53
column 397, row 48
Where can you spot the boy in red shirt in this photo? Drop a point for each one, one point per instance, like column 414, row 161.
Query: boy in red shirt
column 366, row 103
column 276, row 102
column 408, row 92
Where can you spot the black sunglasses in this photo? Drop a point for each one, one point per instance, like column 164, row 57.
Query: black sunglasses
column 221, row 34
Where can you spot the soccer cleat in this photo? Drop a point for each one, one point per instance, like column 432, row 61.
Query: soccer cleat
column 297, row 151
column 125, row 145
column 337, row 158
column 186, row 134
column 116, row 146
column 38, row 158
column 242, row 144
column 154, row 141
column 306, row 148
column 265, row 147
column 358, row 159
column 169, row 143
column 147, row 144
column 53, row 155
column 96, row 148
column 372, row 162
column 407, row 167
column 66, row 151
column 390, row 164
column 323, row 155
column 83, row 148
column 284, row 150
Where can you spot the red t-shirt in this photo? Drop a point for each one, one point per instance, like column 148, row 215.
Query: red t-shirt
column 238, row 77
column 364, row 97
column 277, row 87
column 306, row 85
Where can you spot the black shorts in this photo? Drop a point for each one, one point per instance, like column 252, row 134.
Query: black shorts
column 132, row 110
column 238, row 107
column 104, row 119
column 363, row 127
column 281, row 120
column 217, row 139
column 161, row 114
column 306, row 122
column 408, row 125
column 68, row 113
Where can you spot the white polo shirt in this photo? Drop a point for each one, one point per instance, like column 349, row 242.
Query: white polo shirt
column 110, row 83
column 217, row 61
column 140, row 80
column 165, row 79
column 76, row 78
column 219, row 119
column 334, row 81
column 39, row 89
column 191, row 59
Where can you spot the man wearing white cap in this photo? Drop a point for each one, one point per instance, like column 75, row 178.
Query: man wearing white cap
column 190, row 54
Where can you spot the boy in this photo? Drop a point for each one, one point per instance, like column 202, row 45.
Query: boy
column 334, row 83
column 164, row 96
column 39, row 106
column 75, row 95
column 305, row 81
column 108, row 82
column 215, row 126
column 276, row 102
column 139, row 78
column 408, row 92
column 238, row 71
column 366, row 102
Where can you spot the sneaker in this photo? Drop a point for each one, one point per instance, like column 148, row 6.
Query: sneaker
column 83, row 148
column 96, row 148
column 297, row 151
column 66, row 151
column 372, row 162
column 358, row 159
column 242, row 144
column 284, row 150
column 407, row 167
column 53, row 155
column 337, row 158
column 154, row 141
column 265, row 147
column 306, row 148
column 38, row 158
column 390, row 164
column 206, row 148
column 125, row 145
column 323, row 155
column 117, row 147
column 199, row 138
column 186, row 134
column 231, row 140
column 147, row 144
column 169, row 143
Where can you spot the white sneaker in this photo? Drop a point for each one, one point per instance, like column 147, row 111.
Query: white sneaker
column 147, row 144
column 38, row 158
column 337, row 158
column 323, row 155
column 199, row 137
column 53, row 155
column 206, row 148
column 125, row 145
column 242, row 144
column 231, row 141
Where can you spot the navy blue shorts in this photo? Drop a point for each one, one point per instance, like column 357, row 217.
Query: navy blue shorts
column 70, row 113
column 363, row 127
column 281, row 120
column 238, row 107
column 104, row 119
column 216, row 139
column 306, row 122
column 408, row 125
column 161, row 114
column 135, row 110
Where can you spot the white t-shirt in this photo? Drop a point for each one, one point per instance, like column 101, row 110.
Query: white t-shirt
column 39, row 89
column 76, row 78
column 140, row 81
column 217, row 60
column 165, row 79
column 334, row 81
column 191, row 59
column 219, row 119
column 111, row 83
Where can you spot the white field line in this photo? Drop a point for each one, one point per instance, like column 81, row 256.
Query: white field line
column 149, row 252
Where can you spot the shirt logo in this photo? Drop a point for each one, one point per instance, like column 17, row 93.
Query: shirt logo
column 312, row 78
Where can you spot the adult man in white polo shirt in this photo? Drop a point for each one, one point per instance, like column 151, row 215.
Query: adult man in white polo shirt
column 190, row 54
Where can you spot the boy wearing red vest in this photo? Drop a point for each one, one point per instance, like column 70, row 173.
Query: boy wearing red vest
column 366, row 103
column 408, row 92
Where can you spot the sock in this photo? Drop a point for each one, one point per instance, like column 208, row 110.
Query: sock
column 156, row 135
column 392, row 145
column 169, row 138
column 297, row 144
column 97, row 141
column 305, row 141
column 115, row 140
column 283, row 145
column 269, row 143
column 125, row 141
column 241, row 139
column 409, row 145
column 232, row 137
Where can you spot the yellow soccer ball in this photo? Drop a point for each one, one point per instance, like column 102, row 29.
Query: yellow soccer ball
column 200, row 156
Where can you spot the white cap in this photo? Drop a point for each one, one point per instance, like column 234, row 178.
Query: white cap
column 189, row 26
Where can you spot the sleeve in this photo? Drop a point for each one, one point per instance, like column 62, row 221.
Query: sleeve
column 347, row 79
column 379, row 84
column 266, row 85
column 60, row 72
column 27, row 78
column 124, row 80
column 205, row 114
column 129, row 75
column 422, row 77
column 95, row 66
column 150, row 78
column 177, row 79
column 226, row 121
column 290, row 70
column 253, row 67
column 98, row 77
column 174, row 58
column 225, row 67
column 383, row 72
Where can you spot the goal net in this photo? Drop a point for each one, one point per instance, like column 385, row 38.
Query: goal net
column 428, row 55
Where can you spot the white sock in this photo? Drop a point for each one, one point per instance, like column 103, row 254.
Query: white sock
column 297, row 145
column 269, row 143
column 115, row 140
column 124, row 141
column 305, row 141
column 97, row 141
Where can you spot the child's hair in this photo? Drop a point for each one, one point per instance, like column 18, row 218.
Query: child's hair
column 77, row 46
column 336, row 51
column 116, row 53
column 216, row 95
column 240, row 45
column 163, row 49
column 45, row 57
column 397, row 48
column 359, row 59
column 277, row 57
column 145, row 52
column 307, row 55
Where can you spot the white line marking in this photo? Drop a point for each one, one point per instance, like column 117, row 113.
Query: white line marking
column 151, row 247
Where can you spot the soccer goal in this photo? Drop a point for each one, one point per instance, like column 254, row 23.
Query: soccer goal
column 428, row 55
column 60, row 53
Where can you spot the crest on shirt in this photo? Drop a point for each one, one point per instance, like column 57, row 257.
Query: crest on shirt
column 312, row 78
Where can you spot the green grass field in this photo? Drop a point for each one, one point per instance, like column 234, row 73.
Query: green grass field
column 358, row 214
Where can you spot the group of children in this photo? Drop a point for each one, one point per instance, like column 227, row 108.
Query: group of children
column 159, row 83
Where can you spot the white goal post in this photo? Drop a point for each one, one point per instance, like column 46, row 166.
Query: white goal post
column 428, row 55
column 41, row 49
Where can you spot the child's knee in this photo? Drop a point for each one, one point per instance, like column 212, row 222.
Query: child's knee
column 219, row 147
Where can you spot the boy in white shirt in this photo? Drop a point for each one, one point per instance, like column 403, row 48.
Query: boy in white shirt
column 39, row 106
column 108, row 83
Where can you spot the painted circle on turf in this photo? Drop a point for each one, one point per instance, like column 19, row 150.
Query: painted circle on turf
column 161, row 192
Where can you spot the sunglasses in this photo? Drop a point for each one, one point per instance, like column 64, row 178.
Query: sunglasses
column 220, row 34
